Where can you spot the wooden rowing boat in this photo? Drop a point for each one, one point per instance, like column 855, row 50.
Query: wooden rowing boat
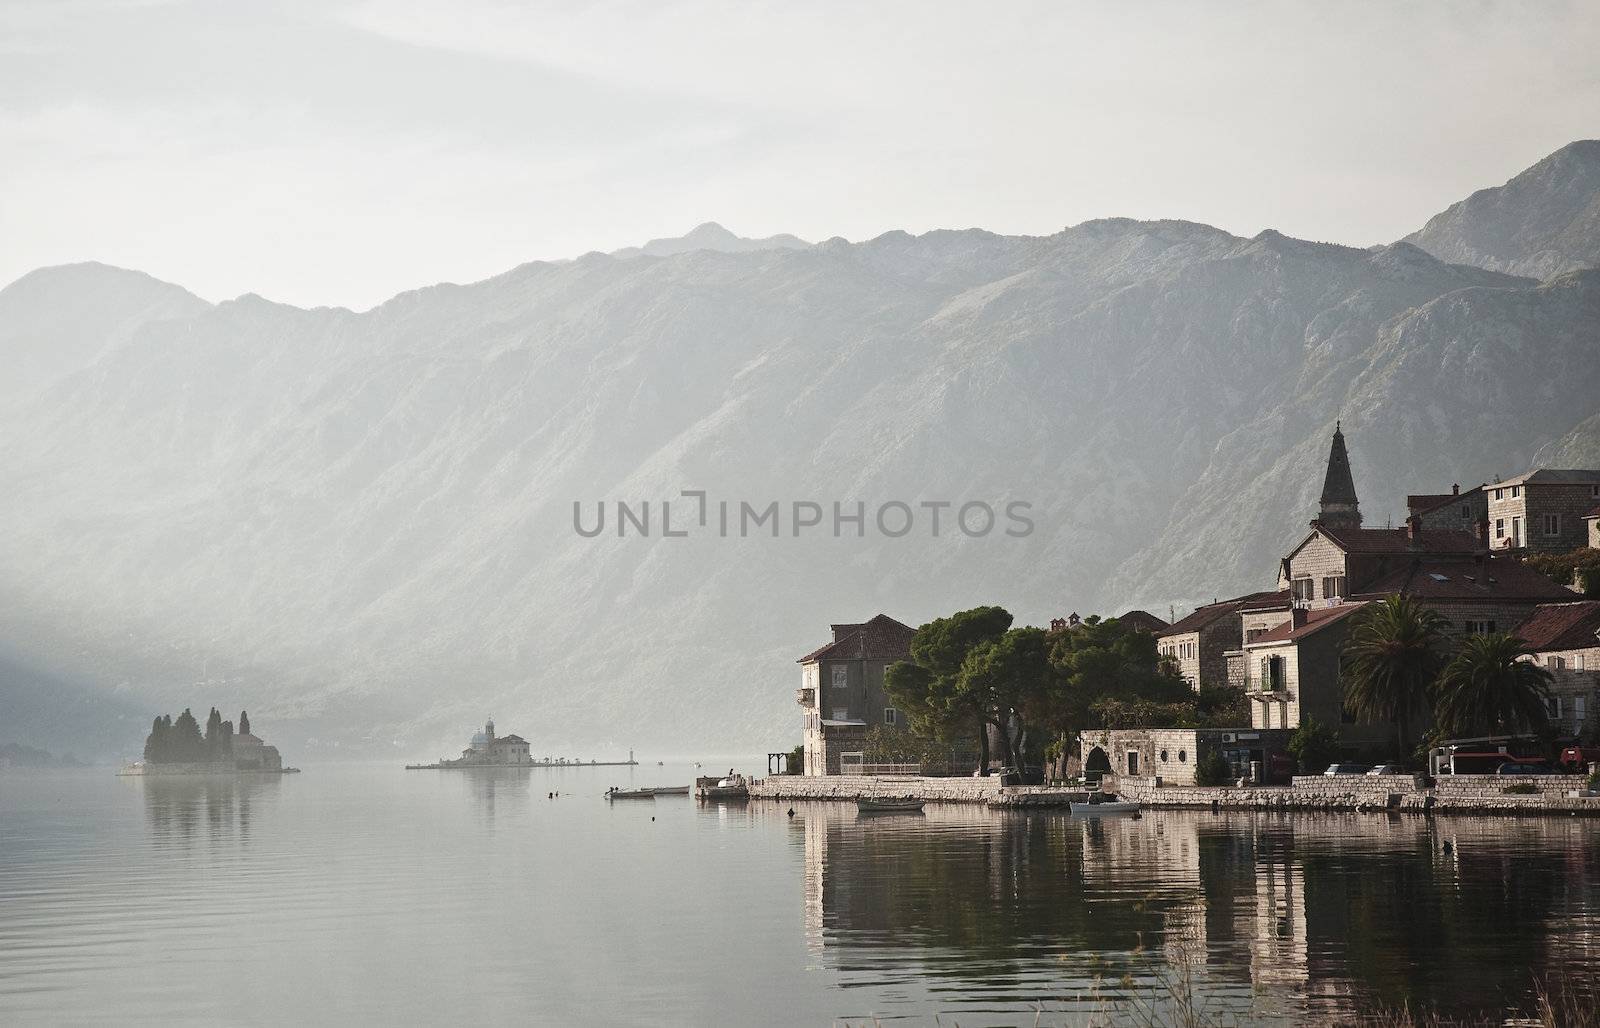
column 1106, row 807
column 631, row 794
column 885, row 805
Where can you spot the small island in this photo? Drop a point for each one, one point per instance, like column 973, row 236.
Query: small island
column 490, row 750
column 177, row 746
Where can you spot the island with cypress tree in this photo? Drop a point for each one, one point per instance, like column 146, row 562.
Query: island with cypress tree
column 178, row 746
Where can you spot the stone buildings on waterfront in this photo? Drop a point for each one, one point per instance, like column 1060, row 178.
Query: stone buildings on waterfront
column 1458, row 553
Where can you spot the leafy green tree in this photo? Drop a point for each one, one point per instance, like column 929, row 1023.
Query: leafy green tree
column 1015, row 675
column 1491, row 688
column 795, row 765
column 1392, row 659
column 1213, row 769
column 1112, row 674
column 1314, row 746
column 928, row 687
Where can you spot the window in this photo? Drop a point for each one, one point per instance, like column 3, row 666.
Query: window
column 1554, row 703
column 1163, row 756
column 892, row 716
column 1332, row 586
column 1594, row 491
column 1580, row 708
column 1183, row 757
column 1516, row 491
column 1499, row 528
column 1302, row 589
column 1497, row 494
column 841, row 713
column 1552, row 524
column 841, row 677
column 1577, row 662
column 1554, row 663
column 1254, row 634
column 1479, row 627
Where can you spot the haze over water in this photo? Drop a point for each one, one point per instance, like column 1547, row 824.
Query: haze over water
column 368, row 893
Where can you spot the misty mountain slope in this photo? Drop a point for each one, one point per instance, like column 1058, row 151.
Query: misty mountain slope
column 362, row 523
column 1543, row 222
column 1459, row 390
column 47, row 331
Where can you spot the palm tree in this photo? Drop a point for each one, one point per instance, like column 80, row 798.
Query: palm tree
column 1391, row 660
column 1491, row 687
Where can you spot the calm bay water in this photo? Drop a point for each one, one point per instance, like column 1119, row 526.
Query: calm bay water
column 363, row 893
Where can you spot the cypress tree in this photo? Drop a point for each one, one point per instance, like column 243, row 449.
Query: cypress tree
column 155, row 742
column 187, row 743
column 244, row 722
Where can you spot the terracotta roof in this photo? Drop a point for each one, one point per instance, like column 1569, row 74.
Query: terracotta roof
column 511, row 738
column 1398, row 540
column 882, row 638
column 1490, row 578
column 1593, row 513
column 1315, row 620
column 1205, row 615
column 1267, row 601
column 1563, row 626
column 1422, row 503
column 1143, row 619
column 1552, row 476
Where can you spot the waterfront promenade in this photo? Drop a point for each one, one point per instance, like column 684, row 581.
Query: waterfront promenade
column 1451, row 794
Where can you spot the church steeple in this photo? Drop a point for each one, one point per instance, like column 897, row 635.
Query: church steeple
column 1339, row 508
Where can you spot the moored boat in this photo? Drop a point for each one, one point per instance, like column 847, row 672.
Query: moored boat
column 887, row 805
column 1106, row 806
column 630, row 794
column 671, row 790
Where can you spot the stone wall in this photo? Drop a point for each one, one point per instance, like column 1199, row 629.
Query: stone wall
column 850, row 787
column 1452, row 794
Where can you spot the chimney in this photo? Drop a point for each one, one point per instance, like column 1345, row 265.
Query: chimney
column 1455, row 490
column 1298, row 615
column 1412, row 529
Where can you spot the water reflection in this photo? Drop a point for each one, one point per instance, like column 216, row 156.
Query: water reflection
column 180, row 809
column 1324, row 915
column 505, row 790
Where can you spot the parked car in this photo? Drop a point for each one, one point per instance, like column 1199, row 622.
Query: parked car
column 1347, row 769
column 1387, row 769
column 1512, row 767
column 1576, row 759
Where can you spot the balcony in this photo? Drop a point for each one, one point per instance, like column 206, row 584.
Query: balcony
column 806, row 696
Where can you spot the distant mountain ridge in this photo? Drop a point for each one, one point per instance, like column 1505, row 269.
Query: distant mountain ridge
column 361, row 524
column 713, row 237
column 1542, row 223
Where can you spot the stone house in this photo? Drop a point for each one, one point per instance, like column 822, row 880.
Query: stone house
column 1463, row 511
column 841, row 692
column 1565, row 639
column 1199, row 644
column 1293, row 672
column 1591, row 521
column 1172, row 753
column 1543, row 510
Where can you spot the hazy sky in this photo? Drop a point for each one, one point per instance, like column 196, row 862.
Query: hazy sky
column 325, row 153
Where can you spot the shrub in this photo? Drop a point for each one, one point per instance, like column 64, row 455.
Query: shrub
column 1594, row 782
column 1521, row 789
column 1314, row 746
column 1213, row 770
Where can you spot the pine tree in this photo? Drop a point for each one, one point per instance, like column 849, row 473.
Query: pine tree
column 187, row 743
column 156, row 742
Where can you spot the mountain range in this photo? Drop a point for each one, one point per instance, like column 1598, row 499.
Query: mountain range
column 361, row 525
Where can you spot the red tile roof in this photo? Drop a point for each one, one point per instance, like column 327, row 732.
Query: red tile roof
column 1205, row 615
column 1143, row 619
column 1398, row 540
column 1563, row 626
column 1595, row 513
column 1422, row 503
column 1490, row 578
column 882, row 638
column 1316, row 619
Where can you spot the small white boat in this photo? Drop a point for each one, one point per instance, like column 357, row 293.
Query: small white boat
column 1105, row 807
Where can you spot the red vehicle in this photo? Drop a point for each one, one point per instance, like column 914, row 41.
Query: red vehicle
column 1575, row 760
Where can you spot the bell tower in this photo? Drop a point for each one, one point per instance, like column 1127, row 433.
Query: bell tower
column 1339, row 508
